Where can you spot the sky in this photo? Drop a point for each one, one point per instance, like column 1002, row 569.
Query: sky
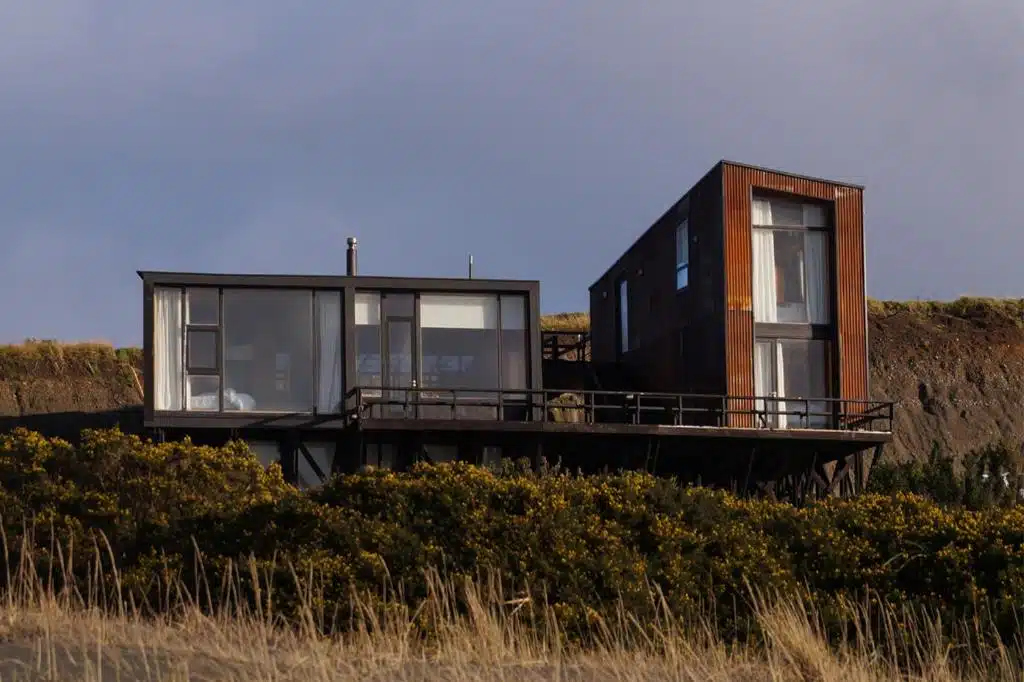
column 544, row 138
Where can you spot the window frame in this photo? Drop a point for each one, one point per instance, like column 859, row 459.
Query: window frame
column 187, row 370
column 498, row 296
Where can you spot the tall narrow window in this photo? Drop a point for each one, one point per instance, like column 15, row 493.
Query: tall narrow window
column 329, row 356
column 202, row 349
column 683, row 254
column 369, row 367
column 623, row 316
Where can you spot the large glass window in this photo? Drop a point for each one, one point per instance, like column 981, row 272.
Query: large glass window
column 367, row 341
column 459, row 336
column 268, row 350
column 792, row 368
column 791, row 264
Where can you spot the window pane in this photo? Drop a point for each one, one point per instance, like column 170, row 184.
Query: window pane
column 367, row 310
column 460, row 341
column 167, row 355
column 818, row 293
column 398, row 305
column 623, row 316
column 790, row 289
column 513, row 312
column 268, row 339
column 804, row 374
column 458, row 311
column 369, row 371
column 514, row 365
column 323, row 455
column 330, row 361
column 815, row 215
column 202, row 393
column 267, row 452
column 203, row 306
column 202, row 349
column 682, row 277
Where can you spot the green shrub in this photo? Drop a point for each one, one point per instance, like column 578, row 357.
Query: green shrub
column 586, row 545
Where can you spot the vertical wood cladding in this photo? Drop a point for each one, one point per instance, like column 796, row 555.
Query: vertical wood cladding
column 741, row 182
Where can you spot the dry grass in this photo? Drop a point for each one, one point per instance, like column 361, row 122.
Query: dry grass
column 52, row 358
column 480, row 633
column 965, row 307
column 570, row 322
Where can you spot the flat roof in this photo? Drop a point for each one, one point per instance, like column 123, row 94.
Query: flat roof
column 159, row 277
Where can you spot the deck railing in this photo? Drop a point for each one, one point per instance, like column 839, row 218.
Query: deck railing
column 619, row 407
column 560, row 344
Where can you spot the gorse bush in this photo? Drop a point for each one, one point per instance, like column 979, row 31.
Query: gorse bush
column 181, row 514
column 990, row 476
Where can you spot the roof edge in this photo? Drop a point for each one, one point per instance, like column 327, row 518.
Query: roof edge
column 795, row 176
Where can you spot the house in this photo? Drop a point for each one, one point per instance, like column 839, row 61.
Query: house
column 751, row 284
column 728, row 345
column 291, row 363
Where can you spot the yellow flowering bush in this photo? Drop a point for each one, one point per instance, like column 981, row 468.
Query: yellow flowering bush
column 585, row 545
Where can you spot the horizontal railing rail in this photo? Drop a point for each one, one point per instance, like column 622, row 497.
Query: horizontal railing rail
column 566, row 345
column 619, row 407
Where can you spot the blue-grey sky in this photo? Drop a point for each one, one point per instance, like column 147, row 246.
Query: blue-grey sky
column 543, row 137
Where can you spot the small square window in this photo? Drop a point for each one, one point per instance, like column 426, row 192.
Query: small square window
column 202, row 350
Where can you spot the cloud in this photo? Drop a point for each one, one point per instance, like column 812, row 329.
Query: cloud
column 542, row 137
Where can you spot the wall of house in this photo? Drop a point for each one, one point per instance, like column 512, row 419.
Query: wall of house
column 675, row 337
column 848, row 279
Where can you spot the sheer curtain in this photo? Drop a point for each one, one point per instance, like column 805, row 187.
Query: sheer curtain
column 330, row 373
column 766, row 306
column 167, row 354
column 815, row 248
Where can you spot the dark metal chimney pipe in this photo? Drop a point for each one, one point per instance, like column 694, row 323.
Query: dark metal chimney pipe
column 350, row 267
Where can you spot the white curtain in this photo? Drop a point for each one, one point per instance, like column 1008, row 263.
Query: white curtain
column 761, row 212
column 329, row 342
column 167, row 353
column 766, row 306
column 458, row 311
column 815, row 252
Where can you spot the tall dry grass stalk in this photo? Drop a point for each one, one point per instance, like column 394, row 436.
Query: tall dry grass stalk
column 52, row 630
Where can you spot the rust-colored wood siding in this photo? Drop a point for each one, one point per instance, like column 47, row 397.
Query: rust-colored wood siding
column 741, row 183
column 676, row 337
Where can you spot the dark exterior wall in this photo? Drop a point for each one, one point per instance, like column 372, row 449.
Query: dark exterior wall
column 848, row 284
column 675, row 336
